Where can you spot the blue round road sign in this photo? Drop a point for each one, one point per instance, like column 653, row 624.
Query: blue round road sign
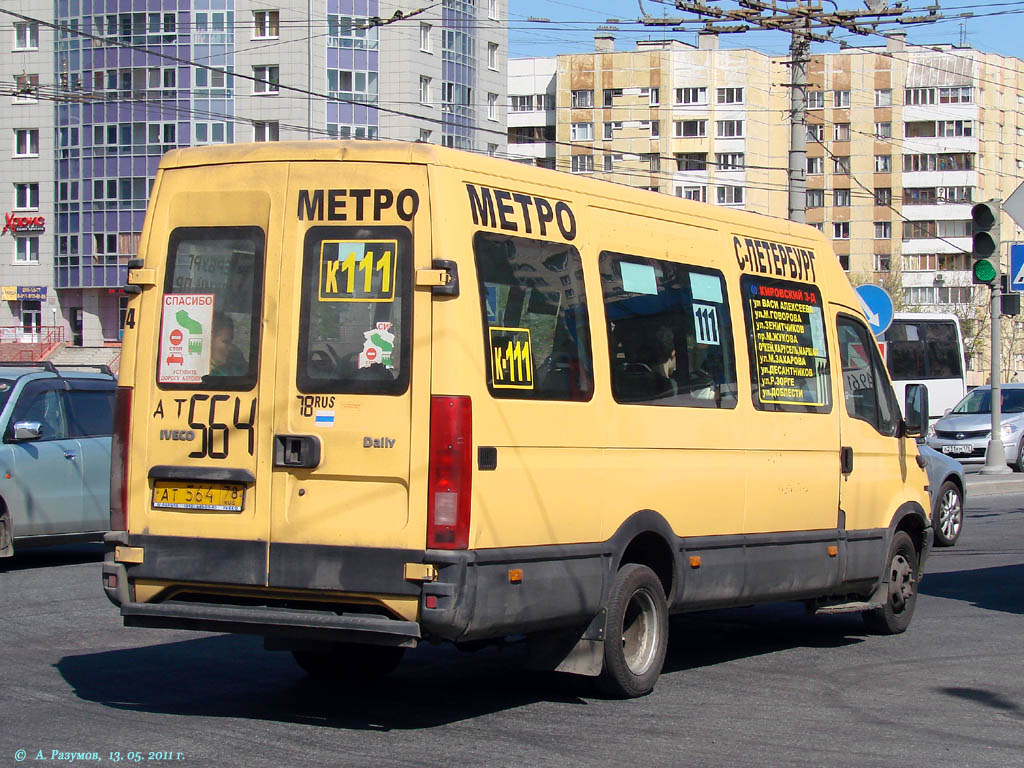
column 877, row 306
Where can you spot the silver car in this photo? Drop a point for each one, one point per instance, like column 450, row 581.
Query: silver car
column 963, row 433
column 948, row 490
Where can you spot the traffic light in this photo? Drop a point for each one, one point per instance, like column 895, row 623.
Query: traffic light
column 985, row 242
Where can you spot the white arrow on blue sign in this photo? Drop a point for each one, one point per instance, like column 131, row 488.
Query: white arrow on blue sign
column 877, row 306
column 1017, row 267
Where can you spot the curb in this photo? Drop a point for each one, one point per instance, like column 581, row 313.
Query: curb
column 993, row 485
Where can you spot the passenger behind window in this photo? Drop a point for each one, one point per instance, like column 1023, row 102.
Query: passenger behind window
column 650, row 361
column 225, row 358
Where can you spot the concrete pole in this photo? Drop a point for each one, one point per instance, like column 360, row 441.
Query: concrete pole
column 799, row 49
column 995, row 456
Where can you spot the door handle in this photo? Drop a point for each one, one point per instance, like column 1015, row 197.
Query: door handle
column 301, row 451
column 846, row 459
column 70, row 455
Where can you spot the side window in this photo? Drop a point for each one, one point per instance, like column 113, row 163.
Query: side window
column 786, row 342
column 41, row 402
column 90, row 412
column 867, row 392
column 669, row 333
column 536, row 334
column 354, row 322
column 210, row 317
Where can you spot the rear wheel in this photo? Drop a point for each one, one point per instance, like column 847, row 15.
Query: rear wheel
column 949, row 514
column 894, row 617
column 349, row 662
column 636, row 633
column 1018, row 465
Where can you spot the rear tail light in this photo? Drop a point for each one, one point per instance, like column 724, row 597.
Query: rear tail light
column 119, row 450
column 451, row 472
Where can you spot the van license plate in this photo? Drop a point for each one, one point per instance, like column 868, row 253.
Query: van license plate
column 215, row 497
column 957, row 449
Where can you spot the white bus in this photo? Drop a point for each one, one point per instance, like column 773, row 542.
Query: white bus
column 927, row 348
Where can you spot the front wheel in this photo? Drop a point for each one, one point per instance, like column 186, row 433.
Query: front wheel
column 349, row 662
column 894, row 617
column 1018, row 465
column 948, row 514
column 636, row 633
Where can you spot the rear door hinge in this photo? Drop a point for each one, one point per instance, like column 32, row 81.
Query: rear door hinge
column 420, row 572
column 442, row 278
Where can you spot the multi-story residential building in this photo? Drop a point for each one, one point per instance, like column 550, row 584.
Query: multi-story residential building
column 104, row 87
column 901, row 141
column 531, row 111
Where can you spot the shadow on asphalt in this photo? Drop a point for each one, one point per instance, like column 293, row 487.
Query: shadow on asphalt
column 1000, row 588
column 232, row 676
column 50, row 557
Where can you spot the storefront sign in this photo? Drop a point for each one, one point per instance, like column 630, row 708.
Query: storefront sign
column 17, row 224
column 23, row 293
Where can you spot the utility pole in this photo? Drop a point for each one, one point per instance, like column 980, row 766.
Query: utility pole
column 807, row 21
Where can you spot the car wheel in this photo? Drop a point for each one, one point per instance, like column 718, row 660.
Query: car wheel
column 894, row 617
column 636, row 633
column 1018, row 465
column 349, row 662
column 948, row 515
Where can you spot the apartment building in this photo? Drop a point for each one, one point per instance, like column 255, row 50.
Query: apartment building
column 102, row 88
column 901, row 141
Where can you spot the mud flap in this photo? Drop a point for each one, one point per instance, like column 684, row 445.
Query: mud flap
column 569, row 650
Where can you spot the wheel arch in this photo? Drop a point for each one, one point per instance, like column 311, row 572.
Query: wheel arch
column 916, row 523
column 646, row 538
column 6, row 530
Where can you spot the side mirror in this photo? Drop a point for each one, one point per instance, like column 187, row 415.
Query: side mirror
column 916, row 408
column 28, row 430
column 947, row 412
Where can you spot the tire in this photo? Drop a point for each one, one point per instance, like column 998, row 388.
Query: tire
column 948, row 515
column 635, row 633
column 349, row 662
column 894, row 617
column 1018, row 465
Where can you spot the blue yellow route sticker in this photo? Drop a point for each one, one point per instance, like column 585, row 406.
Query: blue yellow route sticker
column 511, row 356
column 357, row 270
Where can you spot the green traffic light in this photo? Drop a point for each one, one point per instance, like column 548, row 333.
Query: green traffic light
column 984, row 271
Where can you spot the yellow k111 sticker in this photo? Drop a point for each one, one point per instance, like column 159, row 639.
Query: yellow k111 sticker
column 511, row 358
column 357, row 270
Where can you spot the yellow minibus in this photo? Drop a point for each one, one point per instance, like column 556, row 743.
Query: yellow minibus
column 380, row 393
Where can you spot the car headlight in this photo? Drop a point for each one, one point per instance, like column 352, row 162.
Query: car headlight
column 931, row 430
column 1008, row 430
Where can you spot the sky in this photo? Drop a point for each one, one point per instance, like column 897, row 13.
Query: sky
column 569, row 27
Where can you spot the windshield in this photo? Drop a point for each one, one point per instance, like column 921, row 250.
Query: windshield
column 980, row 401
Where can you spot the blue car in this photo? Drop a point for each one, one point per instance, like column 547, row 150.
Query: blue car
column 948, row 490
column 55, row 454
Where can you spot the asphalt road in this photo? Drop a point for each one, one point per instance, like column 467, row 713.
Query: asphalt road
column 760, row 687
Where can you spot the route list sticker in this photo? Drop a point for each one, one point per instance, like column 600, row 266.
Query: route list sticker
column 185, row 335
column 786, row 323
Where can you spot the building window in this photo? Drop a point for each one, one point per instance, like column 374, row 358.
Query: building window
column 883, row 130
column 883, row 163
column 609, row 163
column 492, row 9
column 609, row 95
column 698, row 193
column 948, row 128
column 424, row 89
column 883, row 262
column 883, row 97
column 654, row 97
column 26, row 142
column 883, row 196
column 919, row 295
column 816, row 132
column 815, row 165
column 651, row 160
column 582, row 132
column 841, row 164
column 492, row 106
column 841, row 230
column 266, row 131
column 26, row 250
column 883, row 230
column 425, row 37
column 26, row 89
column 691, row 128
column 956, row 95
column 841, row 198
column 655, row 128
column 26, row 35
column 686, row 96
column 729, row 161
column 265, row 25
column 841, row 132
column 424, row 136
column 355, row 85
column 691, row 161
column 840, row 99
column 267, row 80
column 728, row 128
column 582, row 99
column 815, row 198
column 729, row 95
column 582, row 163
column 815, row 99
column 26, row 196
column 492, row 56
column 729, row 195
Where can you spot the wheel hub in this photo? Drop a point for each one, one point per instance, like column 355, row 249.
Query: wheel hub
column 901, row 583
column 639, row 632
